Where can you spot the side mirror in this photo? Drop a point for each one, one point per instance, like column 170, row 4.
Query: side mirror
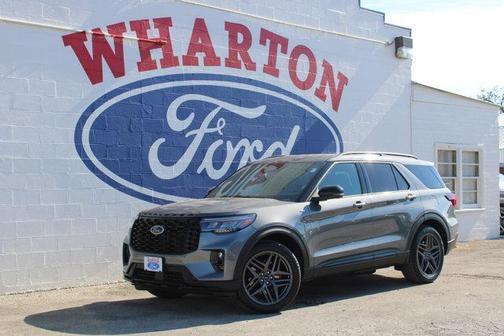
column 330, row 192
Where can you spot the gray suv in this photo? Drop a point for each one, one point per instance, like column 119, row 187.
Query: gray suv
column 284, row 220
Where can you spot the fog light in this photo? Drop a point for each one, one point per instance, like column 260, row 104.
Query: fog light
column 217, row 259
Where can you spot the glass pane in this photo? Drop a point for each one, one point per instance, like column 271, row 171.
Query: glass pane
column 447, row 170
column 470, row 157
column 450, row 184
column 427, row 175
column 470, row 198
column 470, row 171
column 345, row 175
column 447, row 156
column 381, row 177
column 470, row 184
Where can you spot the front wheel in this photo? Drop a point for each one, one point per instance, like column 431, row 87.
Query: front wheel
column 426, row 257
column 270, row 279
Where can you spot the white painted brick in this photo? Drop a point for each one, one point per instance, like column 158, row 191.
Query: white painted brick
column 107, row 254
column 25, row 134
column 72, row 242
column 84, row 226
column 44, row 275
column 8, row 230
column 97, row 271
column 54, row 196
column 29, row 229
column 30, row 260
column 5, row 166
column 56, row 13
column 5, row 197
column 68, row 90
column 9, row 279
column 83, row 256
column 26, row 166
column 58, row 258
column 58, row 227
column 42, row 87
column 44, row 244
column 26, row 197
column 17, row 245
column 96, row 240
column 5, row 132
column 68, row 210
column 26, row 102
column 72, row 272
column 8, row 261
column 13, row 85
column 13, row 149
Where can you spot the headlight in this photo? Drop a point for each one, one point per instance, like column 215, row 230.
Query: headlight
column 227, row 224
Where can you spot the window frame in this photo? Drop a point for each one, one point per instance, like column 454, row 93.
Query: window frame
column 360, row 172
column 459, row 179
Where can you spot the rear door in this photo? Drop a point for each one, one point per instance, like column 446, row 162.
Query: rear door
column 395, row 208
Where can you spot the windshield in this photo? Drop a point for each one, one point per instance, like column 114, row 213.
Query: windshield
column 285, row 181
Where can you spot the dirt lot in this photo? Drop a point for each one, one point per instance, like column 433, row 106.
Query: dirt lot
column 468, row 298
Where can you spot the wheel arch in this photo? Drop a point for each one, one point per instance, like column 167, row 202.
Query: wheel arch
column 278, row 233
column 434, row 220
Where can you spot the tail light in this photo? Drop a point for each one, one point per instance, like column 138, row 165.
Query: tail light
column 452, row 198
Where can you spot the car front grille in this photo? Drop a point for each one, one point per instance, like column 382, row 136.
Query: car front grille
column 180, row 235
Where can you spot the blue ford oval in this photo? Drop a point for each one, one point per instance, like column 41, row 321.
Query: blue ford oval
column 173, row 137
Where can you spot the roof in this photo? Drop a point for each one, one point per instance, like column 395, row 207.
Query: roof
column 351, row 156
column 456, row 94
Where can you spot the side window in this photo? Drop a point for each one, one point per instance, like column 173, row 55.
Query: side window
column 427, row 175
column 344, row 175
column 402, row 184
column 381, row 177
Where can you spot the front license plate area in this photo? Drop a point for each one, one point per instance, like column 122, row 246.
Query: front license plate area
column 153, row 264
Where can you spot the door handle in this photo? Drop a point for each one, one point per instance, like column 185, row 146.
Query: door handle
column 359, row 204
column 410, row 197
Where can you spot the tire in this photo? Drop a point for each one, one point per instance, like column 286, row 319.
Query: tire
column 502, row 221
column 270, row 279
column 167, row 293
column 426, row 257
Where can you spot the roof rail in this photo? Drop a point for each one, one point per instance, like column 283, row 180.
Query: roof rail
column 380, row 153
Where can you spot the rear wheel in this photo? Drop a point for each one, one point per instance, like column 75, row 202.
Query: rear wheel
column 167, row 293
column 502, row 221
column 271, row 278
column 426, row 257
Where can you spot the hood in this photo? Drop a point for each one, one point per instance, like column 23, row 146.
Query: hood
column 213, row 206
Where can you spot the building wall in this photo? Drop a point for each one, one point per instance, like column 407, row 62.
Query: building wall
column 69, row 187
column 440, row 118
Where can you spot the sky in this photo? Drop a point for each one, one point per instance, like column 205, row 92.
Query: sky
column 458, row 45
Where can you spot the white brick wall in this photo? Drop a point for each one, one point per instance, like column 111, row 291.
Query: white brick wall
column 443, row 118
column 63, row 226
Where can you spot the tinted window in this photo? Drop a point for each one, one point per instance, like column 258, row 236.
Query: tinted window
column 427, row 175
column 344, row 175
column 402, row 184
column 281, row 180
column 381, row 177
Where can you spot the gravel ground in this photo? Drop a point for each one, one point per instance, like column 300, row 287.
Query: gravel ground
column 467, row 299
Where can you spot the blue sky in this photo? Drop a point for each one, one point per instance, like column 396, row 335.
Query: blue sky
column 458, row 44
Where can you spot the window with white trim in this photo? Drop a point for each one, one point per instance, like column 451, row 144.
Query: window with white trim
column 459, row 166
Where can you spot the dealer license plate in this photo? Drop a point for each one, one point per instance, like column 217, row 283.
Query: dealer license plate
column 153, row 264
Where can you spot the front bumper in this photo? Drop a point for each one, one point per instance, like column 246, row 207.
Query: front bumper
column 195, row 270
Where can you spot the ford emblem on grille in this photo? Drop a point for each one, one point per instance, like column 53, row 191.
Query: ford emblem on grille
column 157, row 230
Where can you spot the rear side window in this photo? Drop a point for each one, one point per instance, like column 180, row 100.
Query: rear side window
column 427, row 175
column 381, row 177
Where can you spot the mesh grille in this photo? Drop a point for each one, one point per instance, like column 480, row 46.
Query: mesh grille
column 180, row 236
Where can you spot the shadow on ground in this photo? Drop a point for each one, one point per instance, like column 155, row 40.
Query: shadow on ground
column 152, row 314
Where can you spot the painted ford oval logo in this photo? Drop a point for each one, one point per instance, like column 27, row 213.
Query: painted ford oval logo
column 173, row 137
column 157, row 230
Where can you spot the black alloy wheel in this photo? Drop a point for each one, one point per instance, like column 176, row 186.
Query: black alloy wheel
column 426, row 257
column 502, row 221
column 271, row 278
